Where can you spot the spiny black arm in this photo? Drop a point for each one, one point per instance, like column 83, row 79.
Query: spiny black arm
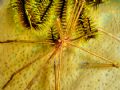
column 22, row 12
column 47, row 9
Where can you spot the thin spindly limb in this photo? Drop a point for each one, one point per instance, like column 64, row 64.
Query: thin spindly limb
column 54, row 52
column 109, row 34
column 57, row 76
column 24, row 41
column 76, row 16
column 96, row 55
column 57, row 68
column 33, row 79
column 80, row 8
column 33, row 60
column 74, row 39
column 59, row 28
column 96, row 65
column 71, row 16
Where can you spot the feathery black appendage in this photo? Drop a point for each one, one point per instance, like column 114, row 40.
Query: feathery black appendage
column 46, row 10
column 85, row 27
column 61, row 12
column 33, row 12
column 22, row 13
column 54, row 35
column 41, row 13
column 62, row 8
column 88, row 29
column 34, row 25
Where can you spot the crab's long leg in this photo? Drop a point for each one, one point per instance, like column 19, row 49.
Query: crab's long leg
column 24, row 41
column 33, row 60
column 113, row 64
column 57, row 76
column 109, row 34
column 71, row 16
column 79, row 12
column 38, row 73
column 76, row 16
column 77, row 38
column 59, row 28
column 54, row 52
column 57, row 69
column 97, row 65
